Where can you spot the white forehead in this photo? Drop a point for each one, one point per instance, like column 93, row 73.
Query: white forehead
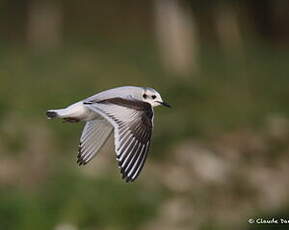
column 151, row 90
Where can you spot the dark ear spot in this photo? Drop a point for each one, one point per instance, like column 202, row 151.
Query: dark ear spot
column 144, row 96
column 154, row 96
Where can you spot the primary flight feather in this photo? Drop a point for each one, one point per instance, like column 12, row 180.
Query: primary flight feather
column 125, row 111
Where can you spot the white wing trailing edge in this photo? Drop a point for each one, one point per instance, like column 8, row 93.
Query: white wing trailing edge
column 94, row 136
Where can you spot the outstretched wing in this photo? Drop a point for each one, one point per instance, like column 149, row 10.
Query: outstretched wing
column 94, row 136
column 132, row 121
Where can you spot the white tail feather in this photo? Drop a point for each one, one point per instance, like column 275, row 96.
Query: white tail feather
column 77, row 111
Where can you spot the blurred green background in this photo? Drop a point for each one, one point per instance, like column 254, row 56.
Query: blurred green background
column 218, row 158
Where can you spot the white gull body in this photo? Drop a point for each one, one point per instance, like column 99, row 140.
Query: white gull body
column 125, row 111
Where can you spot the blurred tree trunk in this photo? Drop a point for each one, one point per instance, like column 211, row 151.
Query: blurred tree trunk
column 177, row 36
column 228, row 29
column 270, row 19
column 44, row 24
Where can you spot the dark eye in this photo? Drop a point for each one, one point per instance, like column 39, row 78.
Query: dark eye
column 154, row 96
column 144, row 96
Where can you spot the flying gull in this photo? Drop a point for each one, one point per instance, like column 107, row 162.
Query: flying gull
column 125, row 111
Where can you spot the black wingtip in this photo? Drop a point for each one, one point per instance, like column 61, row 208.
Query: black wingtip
column 51, row 114
column 129, row 180
column 125, row 177
column 81, row 162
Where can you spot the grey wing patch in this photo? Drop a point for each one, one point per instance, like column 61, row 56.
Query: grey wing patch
column 132, row 121
column 94, row 136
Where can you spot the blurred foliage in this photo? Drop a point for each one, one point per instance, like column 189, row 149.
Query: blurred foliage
column 226, row 96
column 217, row 158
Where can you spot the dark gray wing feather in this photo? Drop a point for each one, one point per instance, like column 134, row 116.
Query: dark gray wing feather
column 132, row 121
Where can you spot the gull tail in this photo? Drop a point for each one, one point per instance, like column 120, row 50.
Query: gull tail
column 57, row 113
column 51, row 114
column 72, row 113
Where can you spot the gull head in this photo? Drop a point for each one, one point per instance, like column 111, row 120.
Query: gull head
column 152, row 97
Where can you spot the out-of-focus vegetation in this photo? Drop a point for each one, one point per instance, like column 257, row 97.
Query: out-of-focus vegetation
column 219, row 157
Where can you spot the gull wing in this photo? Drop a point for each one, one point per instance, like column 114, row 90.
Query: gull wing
column 93, row 137
column 132, row 122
